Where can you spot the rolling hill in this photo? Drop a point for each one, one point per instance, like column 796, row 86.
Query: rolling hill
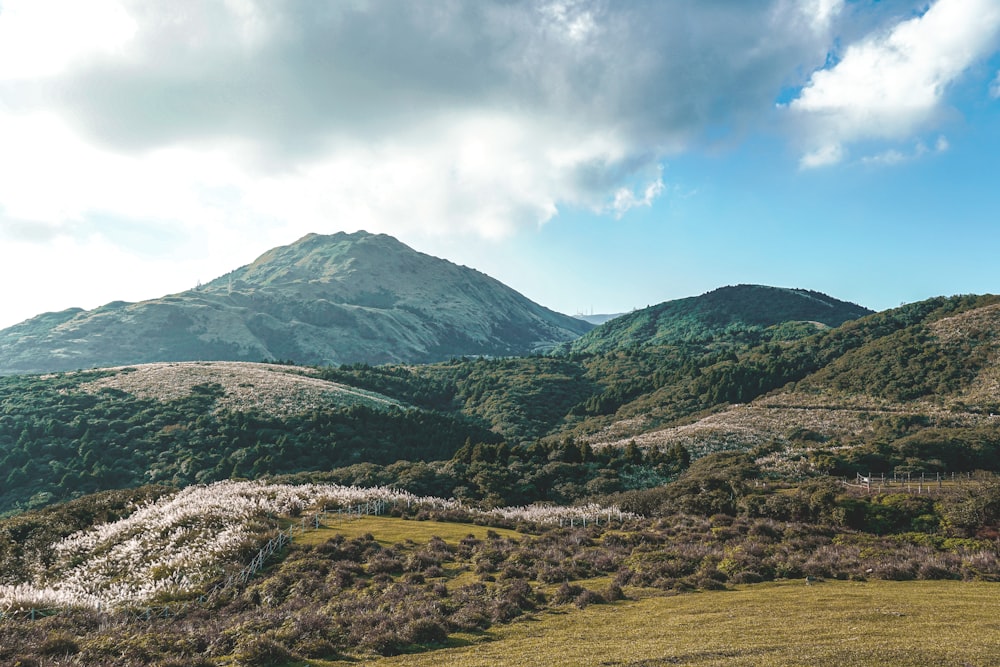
column 178, row 423
column 332, row 299
column 744, row 313
column 706, row 428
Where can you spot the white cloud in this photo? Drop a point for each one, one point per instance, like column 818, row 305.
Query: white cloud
column 823, row 156
column 892, row 84
column 481, row 118
column 573, row 20
column 821, row 13
column 895, row 156
column 626, row 198
column 45, row 37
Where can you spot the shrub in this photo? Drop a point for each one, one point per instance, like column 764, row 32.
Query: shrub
column 424, row 631
column 59, row 645
column 614, row 592
column 567, row 592
column 469, row 617
column 258, row 651
column 587, row 597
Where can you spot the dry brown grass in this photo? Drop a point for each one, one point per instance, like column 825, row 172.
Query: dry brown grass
column 776, row 418
column 270, row 388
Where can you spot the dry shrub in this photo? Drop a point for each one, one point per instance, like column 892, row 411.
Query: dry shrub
column 587, row 597
column 255, row 651
column 424, row 631
column 58, row 645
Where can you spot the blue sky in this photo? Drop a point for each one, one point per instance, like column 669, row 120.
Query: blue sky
column 596, row 156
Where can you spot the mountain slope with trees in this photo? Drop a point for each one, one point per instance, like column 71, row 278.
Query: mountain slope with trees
column 913, row 388
column 744, row 313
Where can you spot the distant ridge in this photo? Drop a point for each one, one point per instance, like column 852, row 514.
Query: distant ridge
column 325, row 299
column 735, row 312
column 598, row 318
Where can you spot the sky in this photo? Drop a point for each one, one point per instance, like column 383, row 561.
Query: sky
column 597, row 156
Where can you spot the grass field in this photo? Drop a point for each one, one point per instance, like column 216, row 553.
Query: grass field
column 388, row 530
column 898, row 624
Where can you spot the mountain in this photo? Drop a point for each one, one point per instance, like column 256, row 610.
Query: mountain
column 743, row 313
column 599, row 318
column 321, row 300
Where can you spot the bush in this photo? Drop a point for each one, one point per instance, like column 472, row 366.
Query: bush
column 59, row 645
column 261, row 652
column 614, row 592
column 424, row 631
column 566, row 592
column 587, row 597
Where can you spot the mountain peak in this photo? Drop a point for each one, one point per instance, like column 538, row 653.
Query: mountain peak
column 324, row 299
column 318, row 257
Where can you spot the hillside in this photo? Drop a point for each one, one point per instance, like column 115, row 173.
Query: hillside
column 743, row 314
column 700, row 464
column 321, row 300
column 180, row 423
column 914, row 388
column 152, row 577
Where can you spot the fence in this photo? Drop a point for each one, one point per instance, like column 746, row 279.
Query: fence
column 370, row 508
column 910, row 483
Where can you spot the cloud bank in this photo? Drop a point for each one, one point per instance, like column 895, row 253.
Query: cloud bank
column 476, row 118
column 197, row 134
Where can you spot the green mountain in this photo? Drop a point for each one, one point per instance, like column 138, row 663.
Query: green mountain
column 744, row 313
column 321, row 300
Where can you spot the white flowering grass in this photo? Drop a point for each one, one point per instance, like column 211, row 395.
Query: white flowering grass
column 557, row 514
column 170, row 546
column 183, row 542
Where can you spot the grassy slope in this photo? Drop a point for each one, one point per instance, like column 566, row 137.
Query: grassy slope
column 269, row 388
column 936, row 359
column 896, row 624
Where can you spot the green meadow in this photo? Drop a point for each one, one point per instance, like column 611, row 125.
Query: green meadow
column 389, row 530
column 896, row 624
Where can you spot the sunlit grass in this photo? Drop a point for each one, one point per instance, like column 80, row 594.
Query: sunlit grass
column 788, row 623
column 389, row 530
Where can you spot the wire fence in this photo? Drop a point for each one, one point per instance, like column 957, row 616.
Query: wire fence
column 907, row 482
